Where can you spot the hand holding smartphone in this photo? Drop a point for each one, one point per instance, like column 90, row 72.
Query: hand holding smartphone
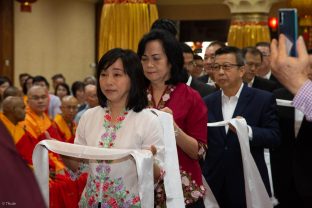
column 288, row 25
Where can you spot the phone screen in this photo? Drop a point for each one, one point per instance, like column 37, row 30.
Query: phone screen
column 288, row 25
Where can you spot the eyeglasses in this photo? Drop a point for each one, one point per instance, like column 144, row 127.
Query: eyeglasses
column 256, row 65
column 190, row 64
column 43, row 97
column 225, row 67
column 265, row 54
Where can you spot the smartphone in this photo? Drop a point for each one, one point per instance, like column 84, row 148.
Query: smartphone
column 288, row 25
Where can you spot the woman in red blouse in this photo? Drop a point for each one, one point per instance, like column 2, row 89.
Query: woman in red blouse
column 162, row 61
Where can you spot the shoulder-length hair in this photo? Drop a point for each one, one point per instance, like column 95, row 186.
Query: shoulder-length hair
column 137, row 98
column 172, row 50
column 62, row 85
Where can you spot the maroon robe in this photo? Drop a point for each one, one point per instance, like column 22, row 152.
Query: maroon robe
column 18, row 186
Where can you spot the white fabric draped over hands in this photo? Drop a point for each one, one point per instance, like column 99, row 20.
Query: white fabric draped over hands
column 143, row 159
column 256, row 194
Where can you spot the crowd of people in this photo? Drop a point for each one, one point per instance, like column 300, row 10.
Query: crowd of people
column 113, row 109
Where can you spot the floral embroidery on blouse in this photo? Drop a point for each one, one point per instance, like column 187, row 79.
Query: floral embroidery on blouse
column 164, row 98
column 191, row 191
column 103, row 190
column 107, row 139
column 109, row 192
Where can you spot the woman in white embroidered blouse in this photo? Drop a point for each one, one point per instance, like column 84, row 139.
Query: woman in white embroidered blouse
column 121, row 121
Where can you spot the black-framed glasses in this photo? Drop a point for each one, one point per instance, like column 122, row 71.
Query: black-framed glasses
column 225, row 67
column 266, row 54
column 190, row 64
column 256, row 65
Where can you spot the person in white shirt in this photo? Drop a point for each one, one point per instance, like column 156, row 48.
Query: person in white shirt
column 123, row 122
column 223, row 168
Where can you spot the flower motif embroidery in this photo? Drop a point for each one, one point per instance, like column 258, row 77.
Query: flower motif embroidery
column 164, row 98
column 107, row 139
column 110, row 192
column 191, row 191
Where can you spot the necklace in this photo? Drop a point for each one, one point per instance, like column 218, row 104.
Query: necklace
column 164, row 98
column 107, row 139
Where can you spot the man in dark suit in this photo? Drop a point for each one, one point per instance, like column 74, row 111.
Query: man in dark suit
column 189, row 65
column 223, row 167
column 265, row 69
column 291, row 161
column 253, row 61
column 208, row 60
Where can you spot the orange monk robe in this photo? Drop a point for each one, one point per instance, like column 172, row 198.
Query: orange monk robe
column 23, row 141
column 63, row 191
column 67, row 132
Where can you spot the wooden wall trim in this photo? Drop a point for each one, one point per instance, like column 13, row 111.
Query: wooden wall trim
column 7, row 38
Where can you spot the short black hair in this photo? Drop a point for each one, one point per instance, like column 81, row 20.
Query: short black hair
column 77, row 85
column 137, row 98
column 173, row 52
column 253, row 51
column 23, row 75
column 40, row 78
column 232, row 50
column 4, row 79
column 263, row 44
column 218, row 43
column 165, row 24
column 57, row 76
column 62, row 85
column 186, row 48
column 25, row 85
column 197, row 57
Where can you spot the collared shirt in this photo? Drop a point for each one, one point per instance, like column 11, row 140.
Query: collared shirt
column 251, row 82
column 189, row 81
column 211, row 82
column 228, row 108
column 303, row 100
column 268, row 75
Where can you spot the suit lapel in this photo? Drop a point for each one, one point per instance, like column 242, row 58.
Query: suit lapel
column 243, row 101
column 255, row 83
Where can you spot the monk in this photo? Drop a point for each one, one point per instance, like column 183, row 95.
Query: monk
column 18, row 185
column 63, row 191
column 37, row 122
column 65, row 121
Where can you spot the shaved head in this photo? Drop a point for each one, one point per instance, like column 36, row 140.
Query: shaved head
column 69, row 98
column 38, row 99
column 69, row 107
column 14, row 109
column 34, row 88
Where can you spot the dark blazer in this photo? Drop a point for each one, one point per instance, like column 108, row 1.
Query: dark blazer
column 273, row 79
column 202, row 88
column 18, row 184
column 264, row 84
column 291, row 161
column 223, row 168
column 203, row 78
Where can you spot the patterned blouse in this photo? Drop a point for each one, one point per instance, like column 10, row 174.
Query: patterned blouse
column 115, row 183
